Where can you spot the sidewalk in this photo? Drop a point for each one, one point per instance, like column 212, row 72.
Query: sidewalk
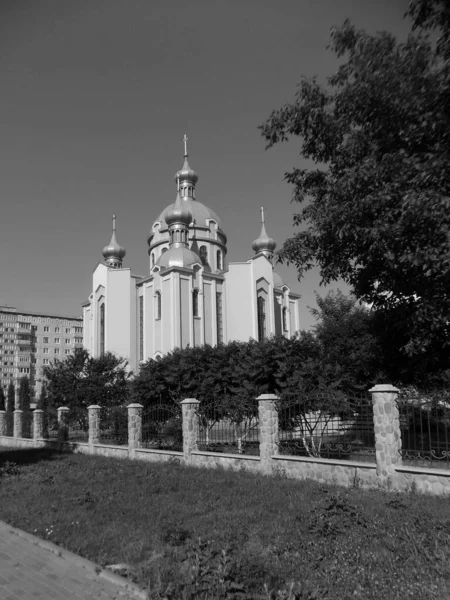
column 34, row 569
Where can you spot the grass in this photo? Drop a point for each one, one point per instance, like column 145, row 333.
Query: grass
column 188, row 533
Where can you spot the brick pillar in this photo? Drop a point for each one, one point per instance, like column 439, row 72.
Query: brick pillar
column 388, row 442
column 38, row 424
column 134, row 426
column 94, row 424
column 18, row 423
column 63, row 424
column 268, row 430
column 3, row 423
column 190, row 427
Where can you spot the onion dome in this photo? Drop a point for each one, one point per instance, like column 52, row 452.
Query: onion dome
column 186, row 178
column 264, row 244
column 178, row 257
column 113, row 252
column 178, row 213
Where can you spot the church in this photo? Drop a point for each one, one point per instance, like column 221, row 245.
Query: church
column 192, row 295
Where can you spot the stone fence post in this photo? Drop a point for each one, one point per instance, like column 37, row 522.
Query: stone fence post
column 134, row 426
column 38, row 424
column 190, row 428
column 63, row 423
column 268, row 430
column 3, row 424
column 388, row 442
column 94, row 424
column 18, row 423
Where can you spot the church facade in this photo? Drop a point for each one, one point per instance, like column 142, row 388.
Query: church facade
column 192, row 295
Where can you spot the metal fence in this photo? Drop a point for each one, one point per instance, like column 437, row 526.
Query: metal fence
column 425, row 428
column 228, row 425
column 162, row 426
column 114, row 426
column 78, row 425
column 327, row 424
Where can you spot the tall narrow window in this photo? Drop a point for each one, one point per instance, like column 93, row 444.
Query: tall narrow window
column 261, row 318
column 219, row 317
column 153, row 259
column 219, row 260
column 285, row 327
column 141, row 327
column 203, row 255
column 158, row 305
column 195, row 303
column 102, row 329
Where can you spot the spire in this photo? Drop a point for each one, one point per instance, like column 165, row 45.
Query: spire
column 186, row 178
column 264, row 244
column 113, row 252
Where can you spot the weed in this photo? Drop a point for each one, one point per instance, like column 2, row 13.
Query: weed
column 9, row 468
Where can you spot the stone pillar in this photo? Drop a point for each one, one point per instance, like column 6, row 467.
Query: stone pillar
column 3, row 423
column 190, row 428
column 134, row 426
column 63, row 424
column 268, row 430
column 18, row 423
column 94, row 424
column 38, row 424
column 388, row 442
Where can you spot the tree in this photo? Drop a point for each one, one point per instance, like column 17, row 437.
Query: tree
column 11, row 398
column 24, row 394
column 81, row 380
column 434, row 15
column 2, row 399
column 376, row 209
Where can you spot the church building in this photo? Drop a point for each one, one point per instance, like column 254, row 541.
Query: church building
column 192, row 295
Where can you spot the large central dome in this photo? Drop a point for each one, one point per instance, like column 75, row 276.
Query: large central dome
column 200, row 213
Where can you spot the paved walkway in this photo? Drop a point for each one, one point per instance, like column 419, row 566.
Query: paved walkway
column 34, row 569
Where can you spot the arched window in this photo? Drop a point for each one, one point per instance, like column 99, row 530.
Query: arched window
column 163, row 250
column 102, row 329
column 203, row 253
column 219, row 260
column 261, row 318
column 153, row 259
column 158, row 305
column 195, row 303
column 285, row 327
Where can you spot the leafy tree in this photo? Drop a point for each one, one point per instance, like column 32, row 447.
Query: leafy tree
column 11, row 398
column 376, row 209
column 81, row 380
column 43, row 404
column 2, row 399
column 433, row 15
column 24, row 394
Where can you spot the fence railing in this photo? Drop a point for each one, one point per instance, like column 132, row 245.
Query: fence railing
column 162, row 427
column 114, row 426
column 9, row 420
column 326, row 424
column 227, row 425
column 425, row 428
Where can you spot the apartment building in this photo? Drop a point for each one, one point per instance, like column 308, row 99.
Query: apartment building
column 31, row 340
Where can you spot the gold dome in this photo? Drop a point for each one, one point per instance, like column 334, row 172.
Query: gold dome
column 264, row 244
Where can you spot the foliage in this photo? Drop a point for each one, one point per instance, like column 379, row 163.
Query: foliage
column 213, row 533
column 433, row 15
column 24, row 394
column 2, row 399
column 50, row 416
column 376, row 209
column 81, row 380
column 10, row 398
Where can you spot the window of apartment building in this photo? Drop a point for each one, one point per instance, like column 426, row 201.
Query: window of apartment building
column 67, row 341
column 46, row 361
column 67, row 329
column 45, row 350
column 45, row 340
column 67, row 351
column 78, row 340
column 57, row 340
column 56, row 350
column 46, row 328
column 78, row 330
column 57, row 330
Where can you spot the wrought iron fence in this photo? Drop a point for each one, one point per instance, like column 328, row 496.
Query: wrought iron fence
column 78, row 425
column 114, row 425
column 425, row 428
column 162, row 426
column 9, row 417
column 27, row 424
column 228, row 425
column 327, row 424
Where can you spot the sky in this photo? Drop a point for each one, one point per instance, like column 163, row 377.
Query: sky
column 95, row 98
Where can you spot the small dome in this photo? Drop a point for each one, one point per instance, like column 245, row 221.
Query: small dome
column 264, row 244
column 178, row 257
column 178, row 213
column 113, row 252
column 186, row 173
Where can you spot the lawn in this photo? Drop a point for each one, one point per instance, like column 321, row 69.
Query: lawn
column 188, row 533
